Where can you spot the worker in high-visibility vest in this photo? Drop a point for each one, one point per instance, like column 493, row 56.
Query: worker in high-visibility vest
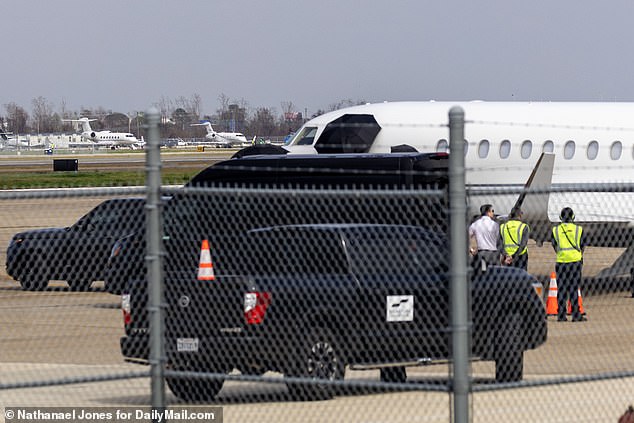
column 515, row 235
column 569, row 243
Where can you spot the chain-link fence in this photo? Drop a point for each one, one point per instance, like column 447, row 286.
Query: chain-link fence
column 306, row 304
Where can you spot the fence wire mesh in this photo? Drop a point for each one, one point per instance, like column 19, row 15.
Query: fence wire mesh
column 278, row 297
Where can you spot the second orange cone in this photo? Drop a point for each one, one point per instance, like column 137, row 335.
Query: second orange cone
column 551, row 301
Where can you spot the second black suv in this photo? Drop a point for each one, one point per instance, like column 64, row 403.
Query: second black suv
column 76, row 254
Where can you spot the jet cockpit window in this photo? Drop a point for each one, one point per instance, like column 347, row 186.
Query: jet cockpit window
column 569, row 149
column 442, row 146
column 527, row 149
column 615, row 150
column 593, row 150
column 505, row 149
column 306, row 136
column 548, row 147
column 483, row 149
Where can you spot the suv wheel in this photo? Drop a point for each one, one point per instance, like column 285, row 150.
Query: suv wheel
column 321, row 360
column 33, row 282
column 193, row 389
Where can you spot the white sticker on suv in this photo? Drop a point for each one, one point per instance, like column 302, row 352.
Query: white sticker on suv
column 400, row 308
column 187, row 344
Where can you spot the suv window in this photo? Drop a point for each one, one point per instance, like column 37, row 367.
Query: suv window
column 297, row 251
column 391, row 250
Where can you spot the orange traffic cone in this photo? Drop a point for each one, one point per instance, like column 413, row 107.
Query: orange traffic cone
column 581, row 309
column 206, row 267
column 551, row 301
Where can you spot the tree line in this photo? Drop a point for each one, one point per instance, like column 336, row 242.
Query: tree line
column 177, row 115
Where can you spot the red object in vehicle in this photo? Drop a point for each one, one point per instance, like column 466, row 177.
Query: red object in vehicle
column 125, row 308
column 255, row 305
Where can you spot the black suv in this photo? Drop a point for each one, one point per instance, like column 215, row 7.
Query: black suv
column 76, row 254
column 314, row 299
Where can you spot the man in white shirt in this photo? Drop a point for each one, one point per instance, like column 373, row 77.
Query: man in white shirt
column 486, row 233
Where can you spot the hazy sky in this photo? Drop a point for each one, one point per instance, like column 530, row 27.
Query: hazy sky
column 126, row 55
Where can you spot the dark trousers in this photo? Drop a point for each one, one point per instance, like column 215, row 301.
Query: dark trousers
column 568, row 283
column 491, row 257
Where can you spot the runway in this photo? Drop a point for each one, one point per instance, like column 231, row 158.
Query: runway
column 114, row 160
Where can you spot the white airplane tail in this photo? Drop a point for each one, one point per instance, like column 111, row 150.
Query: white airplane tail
column 207, row 125
column 85, row 123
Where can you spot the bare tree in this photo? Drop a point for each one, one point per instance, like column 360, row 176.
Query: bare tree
column 117, row 122
column 287, row 107
column 17, row 118
column 344, row 103
column 165, row 107
column 42, row 115
column 263, row 122
column 224, row 101
column 196, row 105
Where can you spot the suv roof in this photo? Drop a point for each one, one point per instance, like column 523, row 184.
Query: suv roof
column 359, row 170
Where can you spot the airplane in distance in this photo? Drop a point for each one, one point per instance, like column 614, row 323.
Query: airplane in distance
column 8, row 141
column 106, row 138
column 222, row 139
column 592, row 143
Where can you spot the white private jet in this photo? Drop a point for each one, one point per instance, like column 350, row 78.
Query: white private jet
column 586, row 144
column 106, row 139
column 9, row 141
column 222, row 139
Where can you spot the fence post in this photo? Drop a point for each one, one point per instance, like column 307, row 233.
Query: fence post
column 459, row 288
column 153, row 261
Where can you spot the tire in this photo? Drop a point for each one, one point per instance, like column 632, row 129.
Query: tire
column 194, row 390
column 509, row 356
column 79, row 285
column 394, row 374
column 33, row 282
column 320, row 360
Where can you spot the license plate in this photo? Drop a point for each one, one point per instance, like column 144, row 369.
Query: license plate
column 187, row 344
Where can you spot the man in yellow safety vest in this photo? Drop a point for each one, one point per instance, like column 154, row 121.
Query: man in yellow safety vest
column 514, row 235
column 568, row 242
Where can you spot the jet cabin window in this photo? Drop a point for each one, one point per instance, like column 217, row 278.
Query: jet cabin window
column 442, row 146
column 615, row 150
column 483, row 149
column 548, row 147
column 593, row 150
column 306, row 136
column 527, row 149
column 569, row 150
column 505, row 149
